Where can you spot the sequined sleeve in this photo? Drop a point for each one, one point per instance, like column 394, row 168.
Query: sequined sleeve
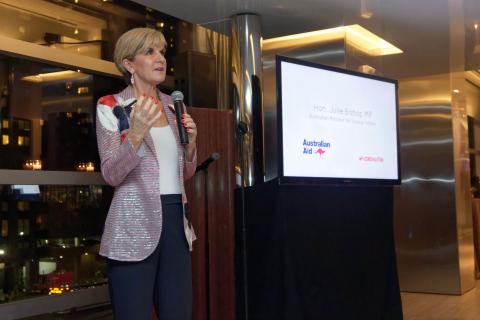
column 117, row 157
column 190, row 166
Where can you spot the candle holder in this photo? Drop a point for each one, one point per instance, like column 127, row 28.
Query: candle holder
column 32, row 165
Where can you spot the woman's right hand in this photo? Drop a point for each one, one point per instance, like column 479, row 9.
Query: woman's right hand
column 144, row 114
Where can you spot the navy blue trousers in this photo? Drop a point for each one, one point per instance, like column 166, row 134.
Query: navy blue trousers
column 162, row 280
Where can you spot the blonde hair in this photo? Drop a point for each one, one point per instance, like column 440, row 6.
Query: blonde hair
column 133, row 42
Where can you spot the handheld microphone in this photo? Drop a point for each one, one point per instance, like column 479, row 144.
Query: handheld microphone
column 204, row 165
column 177, row 98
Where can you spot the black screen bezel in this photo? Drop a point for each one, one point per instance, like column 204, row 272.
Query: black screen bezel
column 295, row 180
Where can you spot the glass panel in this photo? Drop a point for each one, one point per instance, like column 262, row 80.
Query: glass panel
column 52, row 127
column 86, row 27
column 40, row 22
column 57, row 240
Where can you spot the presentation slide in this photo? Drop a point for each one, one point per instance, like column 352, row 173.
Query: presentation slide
column 337, row 125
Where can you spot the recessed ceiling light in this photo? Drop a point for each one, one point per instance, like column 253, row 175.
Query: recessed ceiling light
column 355, row 35
column 365, row 12
column 473, row 77
column 54, row 76
column 365, row 68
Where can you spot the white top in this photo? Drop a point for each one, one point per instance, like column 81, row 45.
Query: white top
column 167, row 157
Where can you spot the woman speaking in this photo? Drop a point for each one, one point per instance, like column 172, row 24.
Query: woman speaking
column 147, row 238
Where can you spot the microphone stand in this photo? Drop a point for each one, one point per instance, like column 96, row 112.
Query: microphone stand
column 242, row 130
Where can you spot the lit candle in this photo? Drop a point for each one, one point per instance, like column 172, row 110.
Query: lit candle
column 28, row 164
column 37, row 165
column 90, row 167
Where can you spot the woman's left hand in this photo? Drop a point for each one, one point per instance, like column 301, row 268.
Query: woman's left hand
column 191, row 129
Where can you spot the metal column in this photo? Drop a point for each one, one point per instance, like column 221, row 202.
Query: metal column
column 247, row 97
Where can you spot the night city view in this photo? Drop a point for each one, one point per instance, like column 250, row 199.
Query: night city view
column 49, row 233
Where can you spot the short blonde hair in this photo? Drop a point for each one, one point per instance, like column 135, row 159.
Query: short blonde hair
column 133, row 42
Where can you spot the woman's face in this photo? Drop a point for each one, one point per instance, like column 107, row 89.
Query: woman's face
column 150, row 67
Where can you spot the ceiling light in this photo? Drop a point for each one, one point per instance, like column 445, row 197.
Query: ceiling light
column 369, row 42
column 54, row 76
column 54, row 12
column 366, row 14
column 475, row 26
column 473, row 77
column 365, row 68
column 456, row 91
column 355, row 35
column 364, row 11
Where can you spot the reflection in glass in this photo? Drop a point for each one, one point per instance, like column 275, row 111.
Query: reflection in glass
column 51, row 241
column 88, row 27
column 33, row 165
column 51, row 112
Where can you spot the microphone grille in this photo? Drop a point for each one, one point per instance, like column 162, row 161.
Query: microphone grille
column 215, row 156
column 177, row 96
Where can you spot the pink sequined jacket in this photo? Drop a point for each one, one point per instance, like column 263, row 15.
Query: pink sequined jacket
column 134, row 222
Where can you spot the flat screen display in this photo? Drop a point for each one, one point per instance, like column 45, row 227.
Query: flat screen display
column 335, row 126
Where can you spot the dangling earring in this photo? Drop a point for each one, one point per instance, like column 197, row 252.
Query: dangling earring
column 132, row 80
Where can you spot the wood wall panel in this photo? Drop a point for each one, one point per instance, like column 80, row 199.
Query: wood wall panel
column 215, row 134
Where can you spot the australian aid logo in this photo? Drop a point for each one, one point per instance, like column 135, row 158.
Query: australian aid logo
column 316, row 148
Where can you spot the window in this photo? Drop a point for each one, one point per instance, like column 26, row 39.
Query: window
column 23, row 227
column 4, row 228
column 55, row 125
column 5, row 139
column 66, row 222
